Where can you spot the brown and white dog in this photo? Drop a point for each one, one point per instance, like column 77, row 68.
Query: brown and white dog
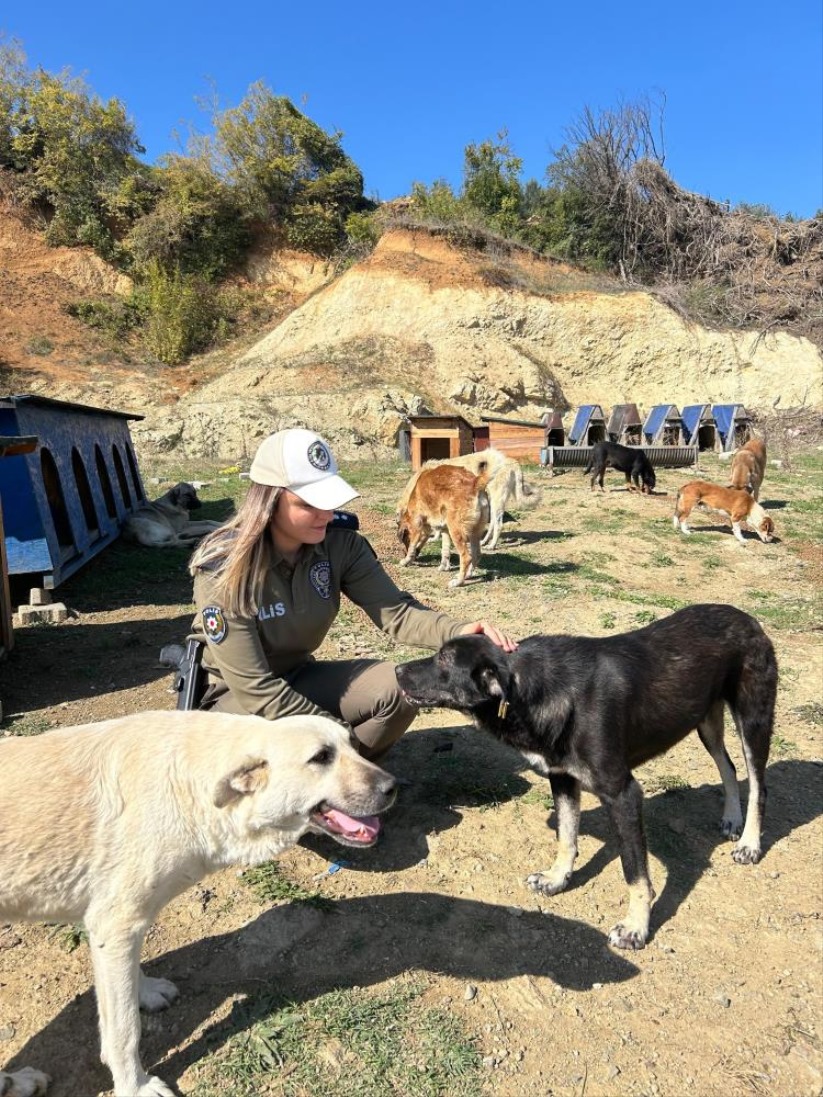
column 739, row 506
column 451, row 501
column 749, row 467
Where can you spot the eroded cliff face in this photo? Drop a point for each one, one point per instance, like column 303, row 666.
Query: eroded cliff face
column 423, row 325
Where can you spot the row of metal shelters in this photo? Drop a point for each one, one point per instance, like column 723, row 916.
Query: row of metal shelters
column 718, row 427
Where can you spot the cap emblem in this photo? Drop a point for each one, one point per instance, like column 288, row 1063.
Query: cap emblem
column 319, row 456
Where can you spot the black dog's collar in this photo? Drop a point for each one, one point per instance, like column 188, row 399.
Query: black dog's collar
column 502, row 708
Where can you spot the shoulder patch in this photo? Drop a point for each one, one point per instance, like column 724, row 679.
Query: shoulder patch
column 214, row 624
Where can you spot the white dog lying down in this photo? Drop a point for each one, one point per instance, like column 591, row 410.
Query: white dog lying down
column 506, row 483
column 106, row 823
column 167, row 521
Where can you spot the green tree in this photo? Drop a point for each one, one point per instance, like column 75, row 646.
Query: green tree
column 72, row 153
column 491, row 183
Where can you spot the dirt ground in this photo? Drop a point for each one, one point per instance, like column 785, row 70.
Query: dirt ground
column 727, row 996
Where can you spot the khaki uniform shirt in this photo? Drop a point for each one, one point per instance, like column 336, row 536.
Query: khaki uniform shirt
column 253, row 656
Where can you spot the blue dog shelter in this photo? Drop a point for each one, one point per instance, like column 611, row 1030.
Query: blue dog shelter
column 699, row 427
column 664, row 426
column 65, row 501
column 589, row 426
column 734, row 425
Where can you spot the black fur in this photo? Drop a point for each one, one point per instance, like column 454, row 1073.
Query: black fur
column 633, row 462
column 587, row 711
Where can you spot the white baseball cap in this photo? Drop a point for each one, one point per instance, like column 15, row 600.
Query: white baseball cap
column 301, row 461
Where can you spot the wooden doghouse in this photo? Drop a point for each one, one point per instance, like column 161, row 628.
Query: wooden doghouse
column 9, row 447
column 438, row 437
column 664, row 426
column 65, row 500
column 555, row 431
column 589, row 426
column 734, row 425
column 521, row 439
column 699, row 427
column 625, row 425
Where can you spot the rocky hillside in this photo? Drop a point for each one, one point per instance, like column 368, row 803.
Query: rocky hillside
column 419, row 324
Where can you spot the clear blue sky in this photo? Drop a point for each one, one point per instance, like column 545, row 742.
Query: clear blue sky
column 411, row 84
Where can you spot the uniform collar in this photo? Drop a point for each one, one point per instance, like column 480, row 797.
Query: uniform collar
column 277, row 559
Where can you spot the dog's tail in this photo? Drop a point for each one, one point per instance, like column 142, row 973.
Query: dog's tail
column 524, row 493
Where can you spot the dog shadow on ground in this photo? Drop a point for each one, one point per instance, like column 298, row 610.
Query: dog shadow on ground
column 297, row 953
column 683, row 830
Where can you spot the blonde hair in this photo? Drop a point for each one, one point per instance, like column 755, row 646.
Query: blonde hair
column 236, row 554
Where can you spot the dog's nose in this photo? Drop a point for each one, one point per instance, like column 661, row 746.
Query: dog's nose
column 387, row 785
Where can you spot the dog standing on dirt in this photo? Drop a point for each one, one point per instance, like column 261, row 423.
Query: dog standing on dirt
column 106, row 823
column 749, row 467
column 640, row 475
column 451, row 501
column 167, row 521
column 736, row 504
column 506, row 483
column 586, row 711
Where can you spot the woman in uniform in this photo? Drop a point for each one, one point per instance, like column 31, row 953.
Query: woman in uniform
column 268, row 584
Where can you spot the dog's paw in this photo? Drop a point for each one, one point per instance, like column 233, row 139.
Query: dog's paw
column 27, row 1082
column 623, row 937
column 444, row 566
column 731, row 829
column 157, row 994
column 548, row 883
column 457, row 582
column 746, row 855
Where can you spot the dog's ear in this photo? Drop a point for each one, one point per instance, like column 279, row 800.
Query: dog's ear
column 494, row 681
column 250, row 777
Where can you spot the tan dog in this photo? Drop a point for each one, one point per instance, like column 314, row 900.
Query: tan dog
column 749, row 467
column 167, row 521
column 738, row 505
column 105, row 823
column 451, row 501
column 506, row 483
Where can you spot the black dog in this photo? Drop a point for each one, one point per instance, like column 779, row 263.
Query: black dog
column 586, row 711
column 634, row 462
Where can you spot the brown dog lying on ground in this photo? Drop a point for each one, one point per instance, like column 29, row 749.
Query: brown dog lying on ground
column 167, row 521
column 749, row 467
column 449, row 500
column 738, row 505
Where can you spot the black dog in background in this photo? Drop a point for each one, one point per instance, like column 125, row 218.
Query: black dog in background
column 586, row 711
column 634, row 462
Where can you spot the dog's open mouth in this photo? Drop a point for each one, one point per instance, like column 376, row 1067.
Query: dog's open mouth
column 349, row 829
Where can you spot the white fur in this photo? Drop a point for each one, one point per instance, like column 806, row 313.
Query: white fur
column 105, row 823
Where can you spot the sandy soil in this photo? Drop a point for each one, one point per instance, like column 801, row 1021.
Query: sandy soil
column 725, row 999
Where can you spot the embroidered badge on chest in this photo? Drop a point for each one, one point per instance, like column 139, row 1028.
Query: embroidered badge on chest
column 214, row 624
column 320, row 578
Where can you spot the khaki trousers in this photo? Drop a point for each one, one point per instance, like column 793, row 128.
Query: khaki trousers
column 363, row 692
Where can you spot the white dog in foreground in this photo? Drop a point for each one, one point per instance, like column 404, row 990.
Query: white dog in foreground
column 106, row 823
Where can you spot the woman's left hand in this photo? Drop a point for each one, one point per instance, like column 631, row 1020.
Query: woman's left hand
column 483, row 628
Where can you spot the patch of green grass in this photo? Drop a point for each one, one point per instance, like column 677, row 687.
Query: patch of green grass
column 664, row 782
column 774, row 609
column 40, row 345
column 26, row 724
column 711, row 563
column 660, row 559
column 270, row 885
column 70, row 937
column 347, row 1041
column 644, row 616
column 783, row 747
column 811, row 713
column 539, row 797
column 607, row 620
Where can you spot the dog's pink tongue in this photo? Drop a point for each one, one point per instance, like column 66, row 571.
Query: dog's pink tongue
column 367, row 828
